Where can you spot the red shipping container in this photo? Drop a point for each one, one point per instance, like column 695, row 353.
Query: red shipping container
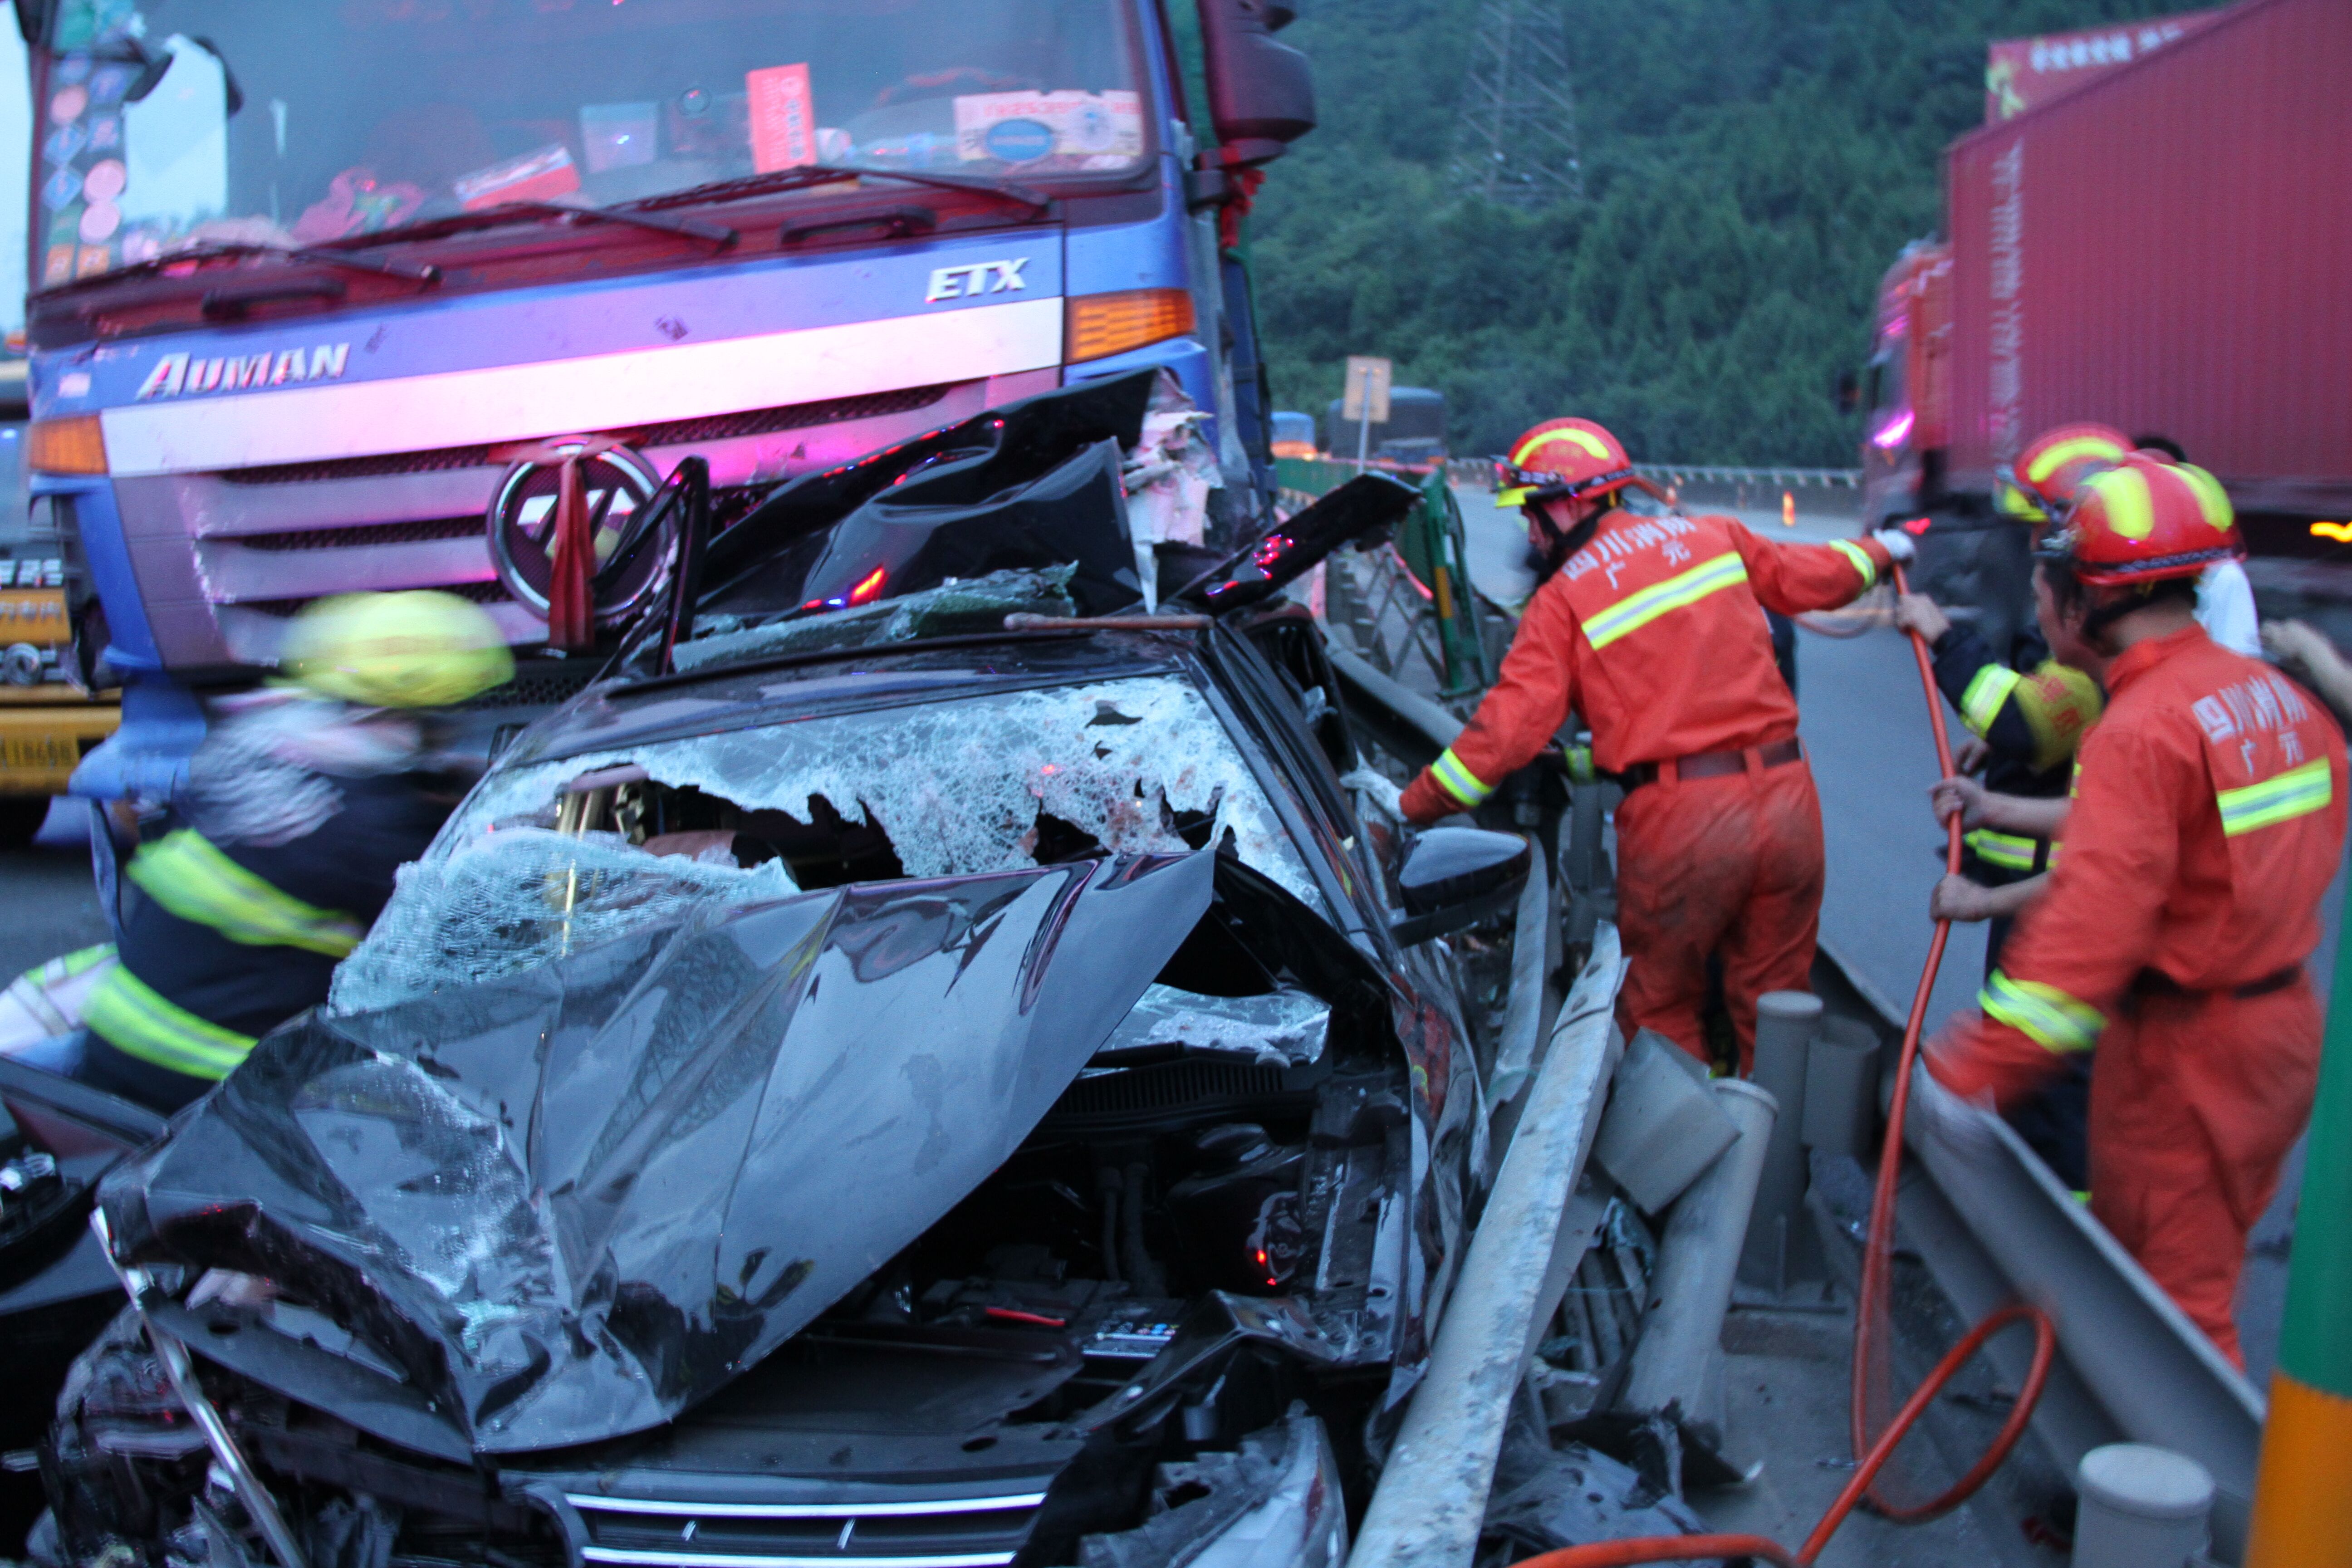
column 2021, row 73
column 2169, row 250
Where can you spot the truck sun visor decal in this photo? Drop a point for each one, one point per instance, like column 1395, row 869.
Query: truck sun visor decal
column 178, row 374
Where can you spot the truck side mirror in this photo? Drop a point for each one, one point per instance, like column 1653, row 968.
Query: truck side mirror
column 1261, row 92
column 1849, row 392
column 1455, row 877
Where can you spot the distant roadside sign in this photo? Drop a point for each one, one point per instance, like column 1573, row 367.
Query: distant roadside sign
column 1368, row 389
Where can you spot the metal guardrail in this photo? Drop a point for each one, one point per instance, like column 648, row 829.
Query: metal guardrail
column 1432, row 1497
column 1787, row 479
column 1993, row 1227
column 1478, row 473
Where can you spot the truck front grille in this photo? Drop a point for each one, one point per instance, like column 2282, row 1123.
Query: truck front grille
column 224, row 558
column 946, row 1532
column 675, row 432
column 287, row 609
column 365, row 533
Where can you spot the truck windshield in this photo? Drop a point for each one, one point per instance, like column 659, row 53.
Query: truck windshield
column 179, row 122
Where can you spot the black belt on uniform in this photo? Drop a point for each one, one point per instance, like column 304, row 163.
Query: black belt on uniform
column 1714, row 765
column 2156, row 982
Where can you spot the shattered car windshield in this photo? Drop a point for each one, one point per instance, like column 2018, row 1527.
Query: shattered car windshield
column 548, row 858
column 979, row 604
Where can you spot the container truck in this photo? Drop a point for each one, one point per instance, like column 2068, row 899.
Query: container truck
column 329, row 298
column 2163, row 249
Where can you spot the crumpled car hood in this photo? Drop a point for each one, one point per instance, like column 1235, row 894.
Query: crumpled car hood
column 572, row 1203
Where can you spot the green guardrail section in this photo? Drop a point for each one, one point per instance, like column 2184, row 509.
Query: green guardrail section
column 1431, row 542
column 1311, row 476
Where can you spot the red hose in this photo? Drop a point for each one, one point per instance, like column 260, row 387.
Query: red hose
column 1872, row 1316
column 1683, row 1548
column 1665, row 1548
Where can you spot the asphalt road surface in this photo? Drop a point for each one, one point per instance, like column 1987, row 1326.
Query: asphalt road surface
column 46, row 905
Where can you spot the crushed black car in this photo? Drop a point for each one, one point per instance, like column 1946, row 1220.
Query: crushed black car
column 938, row 1074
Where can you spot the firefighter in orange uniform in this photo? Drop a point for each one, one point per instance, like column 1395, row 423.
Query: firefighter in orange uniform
column 2209, row 818
column 1653, row 628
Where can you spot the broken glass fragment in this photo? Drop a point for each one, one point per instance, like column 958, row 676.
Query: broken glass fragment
column 1282, row 1028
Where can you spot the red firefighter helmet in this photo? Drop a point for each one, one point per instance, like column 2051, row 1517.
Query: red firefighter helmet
column 2043, row 481
column 2144, row 519
column 1560, row 459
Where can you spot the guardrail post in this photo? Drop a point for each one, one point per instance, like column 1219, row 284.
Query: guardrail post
column 2302, row 1492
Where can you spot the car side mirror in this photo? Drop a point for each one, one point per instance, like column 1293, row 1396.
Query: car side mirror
column 1261, row 91
column 1849, row 392
column 1456, row 877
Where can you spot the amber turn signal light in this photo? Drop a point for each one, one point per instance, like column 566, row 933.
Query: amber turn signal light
column 70, row 446
column 1104, row 324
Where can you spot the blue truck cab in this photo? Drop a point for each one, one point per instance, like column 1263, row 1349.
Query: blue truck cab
column 322, row 293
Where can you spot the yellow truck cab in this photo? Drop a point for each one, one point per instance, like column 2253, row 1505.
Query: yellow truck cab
column 49, row 718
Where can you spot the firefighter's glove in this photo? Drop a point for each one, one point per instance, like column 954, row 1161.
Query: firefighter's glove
column 1898, row 543
column 1377, row 789
column 1962, row 1127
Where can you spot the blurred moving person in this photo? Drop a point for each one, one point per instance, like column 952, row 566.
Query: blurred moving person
column 1653, row 628
column 2208, row 820
column 299, row 808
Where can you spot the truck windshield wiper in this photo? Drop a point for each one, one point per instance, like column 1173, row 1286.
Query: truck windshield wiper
column 406, row 271
column 806, row 174
column 719, row 237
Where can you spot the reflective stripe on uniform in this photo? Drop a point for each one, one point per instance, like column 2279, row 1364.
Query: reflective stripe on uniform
column 1637, row 610
column 2009, row 851
column 192, row 880
column 2042, row 1014
column 1989, row 691
column 2298, row 791
column 137, row 1021
column 31, row 989
column 1860, row 559
column 1458, row 781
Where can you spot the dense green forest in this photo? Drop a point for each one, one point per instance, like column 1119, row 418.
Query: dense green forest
column 1751, row 168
